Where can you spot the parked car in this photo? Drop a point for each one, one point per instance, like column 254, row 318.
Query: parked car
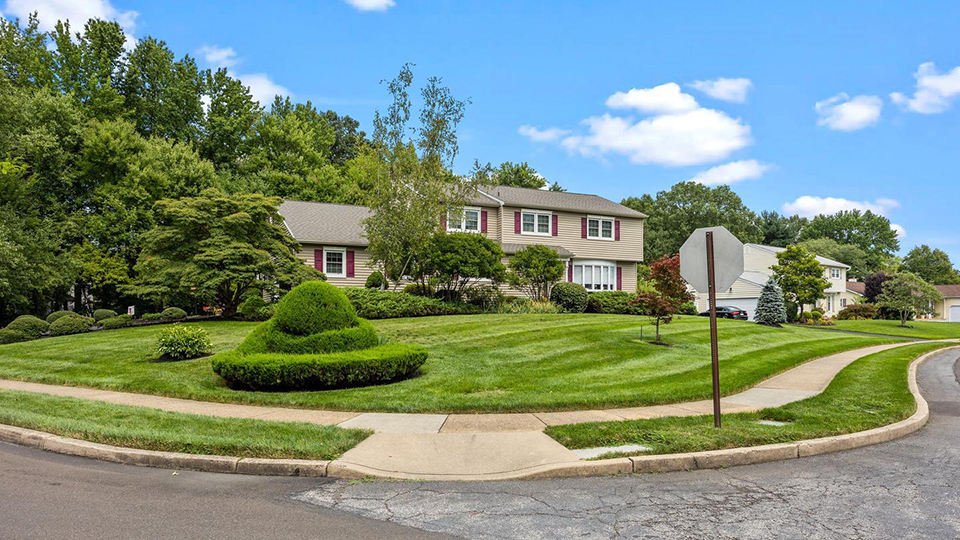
column 728, row 312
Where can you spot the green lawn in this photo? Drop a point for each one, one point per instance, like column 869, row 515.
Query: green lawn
column 477, row 363
column 868, row 393
column 914, row 329
column 138, row 427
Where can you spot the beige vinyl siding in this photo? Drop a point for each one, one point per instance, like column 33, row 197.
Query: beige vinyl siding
column 361, row 263
column 494, row 229
column 943, row 308
column 629, row 248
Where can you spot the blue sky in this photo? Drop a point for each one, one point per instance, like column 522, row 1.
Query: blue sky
column 819, row 107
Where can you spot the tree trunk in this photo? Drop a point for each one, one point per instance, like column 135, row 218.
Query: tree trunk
column 658, row 330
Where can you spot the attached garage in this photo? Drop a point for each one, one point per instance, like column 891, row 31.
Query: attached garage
column 747, row 304
column 954, row 315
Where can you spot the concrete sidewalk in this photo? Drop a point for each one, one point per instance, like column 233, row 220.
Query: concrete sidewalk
column 464, row 446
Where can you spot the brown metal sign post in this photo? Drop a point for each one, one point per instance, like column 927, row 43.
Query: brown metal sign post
column 714, row 350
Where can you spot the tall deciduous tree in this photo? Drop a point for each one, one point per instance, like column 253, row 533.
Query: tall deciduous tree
column 509, row 174
column 413, row 188
column 848, row 254
column 674, row 214
column 870, row 232
column 217, row 247
column 931, row 265
column 229, row 121
column 908, row 295
column 534, row 269
column 800, row 276
column 668, row 293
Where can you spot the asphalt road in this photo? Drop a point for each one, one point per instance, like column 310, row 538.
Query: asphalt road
column 904, row 489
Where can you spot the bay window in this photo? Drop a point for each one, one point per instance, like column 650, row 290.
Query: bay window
column 595, row 275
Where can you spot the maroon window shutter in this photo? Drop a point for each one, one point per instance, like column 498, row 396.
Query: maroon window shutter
column 318, row 259
column 350, row 271
column 555, row 221
column 570, row 272
column 483, row 221
column 616, row 230
column 443, row 222
column 583, row 227
column 619, row 278
column 516, row 222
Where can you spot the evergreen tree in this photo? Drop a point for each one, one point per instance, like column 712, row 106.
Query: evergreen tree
column 770, row 308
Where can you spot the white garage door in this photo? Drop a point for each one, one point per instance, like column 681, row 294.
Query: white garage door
column 954, row 314
column 747, row 304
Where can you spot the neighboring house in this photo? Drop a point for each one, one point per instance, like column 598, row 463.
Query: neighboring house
column 757, row 262
column 948, row 309
column 600, row 241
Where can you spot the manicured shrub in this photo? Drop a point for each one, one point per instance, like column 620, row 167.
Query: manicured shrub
column 816, row 315
column 487, row 297
column 688, row 308
column 793, row 311
column 374, row 280
column 101, row 314
column 71, row 324
column 570, row 297
column 770, row 308
column 376, row 304
column 255, row 308
column 116, row 322
column 417, row 289
column 173, row 313
column 57, row 314
column 613, row 302
column 28, row 325
column 180, row 342
column 12, row 336
column 270, row 371
column 152, row 316
column 805, row 317
column 858, row 312
column 314, row 307
column 268, row 338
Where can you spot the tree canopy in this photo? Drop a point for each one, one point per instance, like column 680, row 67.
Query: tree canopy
column 868, row 231
column 800, row 276
column 931, row 265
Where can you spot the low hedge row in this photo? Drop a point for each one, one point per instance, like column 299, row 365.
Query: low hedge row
column 272, row 371
column 613, row 302
column 266, row 337
column 70, row 324
column 376, row 304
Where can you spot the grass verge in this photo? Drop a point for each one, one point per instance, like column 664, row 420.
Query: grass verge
column 476, row 363
column 147, row 429
column 871, row 392
column 914, row 329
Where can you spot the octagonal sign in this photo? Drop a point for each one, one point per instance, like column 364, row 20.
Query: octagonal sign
column 727, row 257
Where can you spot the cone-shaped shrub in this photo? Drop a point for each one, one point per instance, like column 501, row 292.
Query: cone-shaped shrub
column 770, row 308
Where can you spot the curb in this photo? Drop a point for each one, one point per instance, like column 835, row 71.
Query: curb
column 712, row 459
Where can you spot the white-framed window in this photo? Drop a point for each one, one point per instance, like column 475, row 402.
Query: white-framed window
column 595, row 275
column 335, row 262
column 600, row 228
column 835, row 273
column 536, row 222
column 466, row 221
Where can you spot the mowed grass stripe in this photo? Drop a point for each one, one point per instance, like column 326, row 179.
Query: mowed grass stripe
column 478, row 363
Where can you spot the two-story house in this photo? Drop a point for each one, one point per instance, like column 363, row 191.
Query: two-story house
column 757, row 262
column 600, row 241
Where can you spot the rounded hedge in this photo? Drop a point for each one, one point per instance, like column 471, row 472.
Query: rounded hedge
column 101, row 314
column 269, row 371
column 116, row 322
column 267, row 338
column 374, row 281
column 173, row 313
column 28, row 325
column 314, row 307
column 12, row 336
column 58, row 314
column 571, row 297
column 75, row 324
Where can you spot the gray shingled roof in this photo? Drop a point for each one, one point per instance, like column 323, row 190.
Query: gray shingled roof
column 558, row 200
column 512, row 249
column 822, row 260
column 324, row 223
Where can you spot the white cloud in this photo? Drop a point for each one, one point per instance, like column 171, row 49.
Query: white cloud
column 934, row 90
column 901, row 232
column 810, row 206
column 262, row 87
column 372, row 5
column 221, row 57
column 843, row 113
column 689, row 138
column 731, row 173
column 733, row 90
column 78, row 12
column 541, row 135
column 664, row 99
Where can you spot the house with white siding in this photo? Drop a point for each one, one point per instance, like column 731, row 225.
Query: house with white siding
column 600, row 241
